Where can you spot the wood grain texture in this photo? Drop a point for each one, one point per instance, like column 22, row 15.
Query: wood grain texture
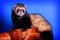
column 5, row 36
column 40, row 23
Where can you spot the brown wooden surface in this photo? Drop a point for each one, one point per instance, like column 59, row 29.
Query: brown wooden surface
column 18, row 34
column 5, row 36
column 40, row 23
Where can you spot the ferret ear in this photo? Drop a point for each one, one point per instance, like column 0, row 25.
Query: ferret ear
column 25, row 8
column 14, row 7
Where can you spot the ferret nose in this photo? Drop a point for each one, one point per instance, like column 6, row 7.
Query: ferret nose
column 20, row 11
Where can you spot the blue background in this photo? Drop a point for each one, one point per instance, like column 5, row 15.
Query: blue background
column 47, row 8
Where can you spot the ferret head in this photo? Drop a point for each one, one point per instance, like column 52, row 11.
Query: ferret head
column 19, row 9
